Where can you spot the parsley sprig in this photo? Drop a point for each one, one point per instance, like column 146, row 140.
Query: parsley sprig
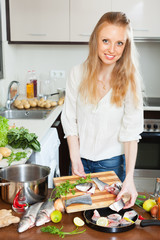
column 16, row 157
column 67, row 187
column 59, row 232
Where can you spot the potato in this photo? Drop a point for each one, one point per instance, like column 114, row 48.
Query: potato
column 35, row 100
column 20, row 106
column 17, row 102
column 24, row 101
column 6, row 152
column 48, row 101
column 26, row 105
column 33, row 103
column 42, row 104
column 1, row 156
column 54, row 103
column 47, row 105
column 61, row 101
column 42, row 100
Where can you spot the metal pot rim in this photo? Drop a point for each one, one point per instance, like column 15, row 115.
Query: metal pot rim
column 25, row 166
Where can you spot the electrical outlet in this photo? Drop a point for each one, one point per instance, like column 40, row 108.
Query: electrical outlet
column 57, row 73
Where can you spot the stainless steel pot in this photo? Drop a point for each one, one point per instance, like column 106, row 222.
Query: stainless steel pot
column 32, row 179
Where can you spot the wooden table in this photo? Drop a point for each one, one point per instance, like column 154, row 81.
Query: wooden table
column 138, row 233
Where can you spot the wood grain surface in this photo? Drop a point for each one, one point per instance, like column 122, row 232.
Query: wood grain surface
column 99, row 199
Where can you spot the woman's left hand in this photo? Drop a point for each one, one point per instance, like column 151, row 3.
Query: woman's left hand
column 128, row 187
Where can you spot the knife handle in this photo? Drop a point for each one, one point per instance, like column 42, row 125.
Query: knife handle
column 149, row 222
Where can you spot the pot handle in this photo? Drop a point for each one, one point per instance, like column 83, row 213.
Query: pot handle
column 4, row 184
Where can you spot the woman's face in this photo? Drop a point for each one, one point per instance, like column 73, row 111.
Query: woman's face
column 111, row 43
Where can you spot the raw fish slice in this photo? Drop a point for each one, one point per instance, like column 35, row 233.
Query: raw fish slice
column 124, row 222
column 92, row 189
column 95, row 216
column 112, row 223
column 101, row 185
column 117, row 206
column 84, row 187
column 115, row 188
column 114, row 216
column 130, row 214
column 84, row 199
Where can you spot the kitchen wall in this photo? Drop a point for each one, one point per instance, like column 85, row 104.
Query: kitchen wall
column 18, row 59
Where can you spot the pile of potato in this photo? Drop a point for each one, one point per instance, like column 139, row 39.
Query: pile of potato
column 29, row 103
column 4, row 152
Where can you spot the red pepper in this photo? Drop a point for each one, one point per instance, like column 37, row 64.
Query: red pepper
column 16, row 204
column 141, row 218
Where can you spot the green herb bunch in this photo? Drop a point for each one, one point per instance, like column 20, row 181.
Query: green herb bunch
column 59, row 232
column 64, row 188
column 21, row 138
column 16, row 157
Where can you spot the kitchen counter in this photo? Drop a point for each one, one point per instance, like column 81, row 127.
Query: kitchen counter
column 138, row 233
column 38, row 126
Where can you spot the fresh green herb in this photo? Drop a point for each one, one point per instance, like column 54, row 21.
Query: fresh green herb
column 141, row 196
column 64, row 188
column 59, row 232
column 16, row 157
column 21, row 138
column 139, row 203
column 3, row 131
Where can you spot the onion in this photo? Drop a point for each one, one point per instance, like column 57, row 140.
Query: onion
column 154, row 211
column 58, row 205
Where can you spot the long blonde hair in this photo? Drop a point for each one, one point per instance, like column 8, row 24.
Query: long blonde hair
column 125, row 70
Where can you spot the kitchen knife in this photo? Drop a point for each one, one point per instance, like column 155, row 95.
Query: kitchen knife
column 149, row 222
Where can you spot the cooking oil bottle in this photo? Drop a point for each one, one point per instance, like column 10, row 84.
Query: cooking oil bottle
column 29, row 85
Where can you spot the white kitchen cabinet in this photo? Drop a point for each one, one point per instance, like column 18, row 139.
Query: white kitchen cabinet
column 39, row 20
column 144, row 16
column 84, row 14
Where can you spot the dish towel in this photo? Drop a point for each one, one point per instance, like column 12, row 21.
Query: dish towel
column 49, row 154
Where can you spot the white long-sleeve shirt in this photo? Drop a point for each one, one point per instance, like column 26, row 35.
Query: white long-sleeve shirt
column 103, row 128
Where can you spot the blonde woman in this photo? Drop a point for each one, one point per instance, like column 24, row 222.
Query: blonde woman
column 103, row 111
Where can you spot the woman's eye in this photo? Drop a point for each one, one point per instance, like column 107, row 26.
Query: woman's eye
column 105, row 40
column 120, row 43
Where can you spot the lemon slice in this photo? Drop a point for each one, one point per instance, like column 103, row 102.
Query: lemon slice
column 78, row 222
column 102, row 221
column 129, row 220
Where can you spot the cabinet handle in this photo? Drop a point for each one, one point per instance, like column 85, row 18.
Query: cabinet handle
column 37, row 34
column 141, row 30
column 84, row 34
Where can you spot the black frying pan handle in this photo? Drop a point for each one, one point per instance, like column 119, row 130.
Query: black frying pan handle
column 150, row 222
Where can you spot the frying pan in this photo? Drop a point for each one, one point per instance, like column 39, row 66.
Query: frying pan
column 104, row 212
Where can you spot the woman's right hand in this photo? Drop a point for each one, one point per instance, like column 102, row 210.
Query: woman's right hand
column 78, row 169
column 77, row 166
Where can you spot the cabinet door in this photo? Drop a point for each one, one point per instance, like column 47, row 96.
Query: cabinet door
column 84, row 14
column 39, row 20
column 144, row 16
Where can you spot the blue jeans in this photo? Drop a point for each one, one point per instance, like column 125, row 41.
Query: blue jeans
column 116, row 164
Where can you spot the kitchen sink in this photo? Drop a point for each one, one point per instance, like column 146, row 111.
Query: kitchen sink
column 25, row 114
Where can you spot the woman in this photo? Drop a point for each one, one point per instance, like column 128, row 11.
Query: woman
column 103, row 111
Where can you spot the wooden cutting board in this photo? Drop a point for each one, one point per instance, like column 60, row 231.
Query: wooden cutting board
column 99, row 199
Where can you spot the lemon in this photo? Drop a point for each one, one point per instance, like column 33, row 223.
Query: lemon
column 102, row 221
column 56, row 216
column 129, row 220
column 78, row 222
column 148, row 204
